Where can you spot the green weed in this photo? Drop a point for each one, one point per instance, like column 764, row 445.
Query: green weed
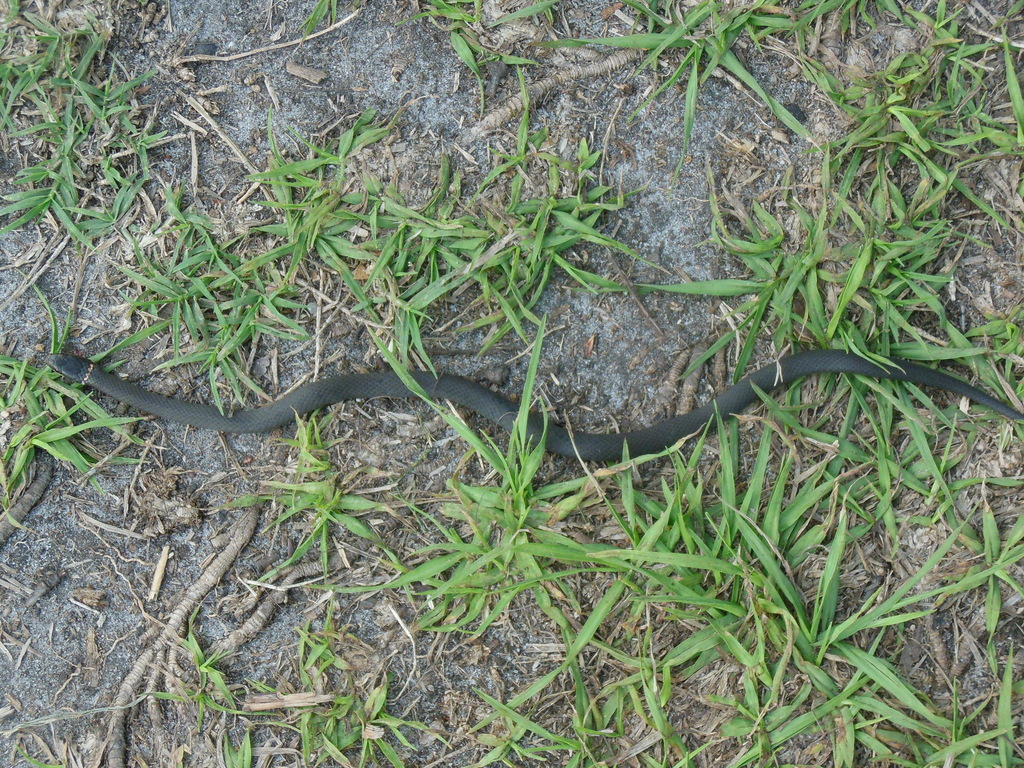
column 87, row 134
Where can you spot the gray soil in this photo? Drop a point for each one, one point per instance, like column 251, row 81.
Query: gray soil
column 605, row 359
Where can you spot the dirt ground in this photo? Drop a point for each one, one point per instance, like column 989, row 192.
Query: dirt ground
column 66, row 653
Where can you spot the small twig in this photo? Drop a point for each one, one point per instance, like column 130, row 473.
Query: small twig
column 266, row 48
column 245, row 527
column 997, row 38
column 688, row 392
column 412, row 642
column 220, row 132
column 720, row 369
column 542, row 88
column 49, row 579
column 673, row 399
column 264, row 612
column 626, row 283
column 39, row 268
column 29, row 497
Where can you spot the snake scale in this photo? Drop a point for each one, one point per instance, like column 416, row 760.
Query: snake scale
column 503, row 411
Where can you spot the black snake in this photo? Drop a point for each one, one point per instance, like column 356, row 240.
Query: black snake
column 503, row 411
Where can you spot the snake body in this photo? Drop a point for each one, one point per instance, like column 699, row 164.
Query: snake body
column 503, row 411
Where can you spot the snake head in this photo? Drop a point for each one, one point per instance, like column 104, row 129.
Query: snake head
column 72, row 367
